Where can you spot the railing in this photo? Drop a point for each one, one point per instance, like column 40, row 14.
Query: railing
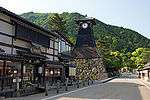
column 64, row 86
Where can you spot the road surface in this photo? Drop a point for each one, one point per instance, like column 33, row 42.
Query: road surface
column 117, row 89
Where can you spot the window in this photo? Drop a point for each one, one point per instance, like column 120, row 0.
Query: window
column 60, row 47
column 63, row 46
column 34, row 36
column 11, row 68
column 28, row 72
column 55, row 52
column 55, row 58
column 69, row 48
column 72, row 71
column 56, row 45
column 51, row 43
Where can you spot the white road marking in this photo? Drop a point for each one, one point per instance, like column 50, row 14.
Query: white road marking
column 66, row 98
column 144, row 84
column 72, row 91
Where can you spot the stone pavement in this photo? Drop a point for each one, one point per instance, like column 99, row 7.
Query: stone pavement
column 117, row 89
column 53, row 92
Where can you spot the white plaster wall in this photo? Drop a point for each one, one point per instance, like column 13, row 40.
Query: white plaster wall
column 5, row 39
column 146, row 78
column 7, row 28
column 50, row 51
column 50, row 57
column 55, row 52
column 145, row 71
column 21, row 43
column 56, row 58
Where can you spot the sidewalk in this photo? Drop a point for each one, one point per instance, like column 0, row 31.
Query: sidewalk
column 53, row 92
column 146, row 83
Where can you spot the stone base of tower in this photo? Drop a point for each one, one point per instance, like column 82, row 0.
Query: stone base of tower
column 90, row 69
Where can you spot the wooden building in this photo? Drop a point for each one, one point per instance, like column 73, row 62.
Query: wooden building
column 28, row 52
column 145, row 72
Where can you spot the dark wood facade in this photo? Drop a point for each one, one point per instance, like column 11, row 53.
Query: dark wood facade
column 28, row 52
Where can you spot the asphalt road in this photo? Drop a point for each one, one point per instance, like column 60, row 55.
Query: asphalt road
column 117, row 89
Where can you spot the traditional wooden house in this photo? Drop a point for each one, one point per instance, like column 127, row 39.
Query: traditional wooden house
column 145, row 72
column 65, row 57
column 28, row 52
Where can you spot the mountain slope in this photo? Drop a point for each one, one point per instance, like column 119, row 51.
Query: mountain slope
column 117, row 38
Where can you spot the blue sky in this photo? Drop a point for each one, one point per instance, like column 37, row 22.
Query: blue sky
column 132, row 14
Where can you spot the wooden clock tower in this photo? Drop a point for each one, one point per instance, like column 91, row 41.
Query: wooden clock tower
column 85, row 47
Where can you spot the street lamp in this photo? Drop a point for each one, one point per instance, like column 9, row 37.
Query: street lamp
column 46, row 73
column 58, row 72
column 51, row 72
column 15, row 71
column 40, row 70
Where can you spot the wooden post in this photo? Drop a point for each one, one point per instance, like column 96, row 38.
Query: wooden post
column 92, row 81
column 66, row 84
column 46, row 91
column 88, row 82
column 44, row 78
column 77, row 83
column 3, row 78
column 18, row 86
column 44, row 81
column 83, row 82
column 57, row 87
column 22, row 69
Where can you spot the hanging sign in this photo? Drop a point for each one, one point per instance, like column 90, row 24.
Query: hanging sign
column 35, row 50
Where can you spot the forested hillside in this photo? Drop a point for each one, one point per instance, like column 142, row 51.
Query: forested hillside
column 120, row 47
column 116, row 38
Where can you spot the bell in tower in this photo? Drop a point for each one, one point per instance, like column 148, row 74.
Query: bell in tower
column 85, row 47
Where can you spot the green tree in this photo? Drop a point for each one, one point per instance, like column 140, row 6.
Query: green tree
column 146, row 55
column 141, row 56
column 56, row 22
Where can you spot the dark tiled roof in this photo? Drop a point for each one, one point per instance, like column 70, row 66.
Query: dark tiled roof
column 85, row 20
column 31, row 56
column 85, row 53
column 5, row 11
column 147, row 66
column 13, row 15
column 11, row 57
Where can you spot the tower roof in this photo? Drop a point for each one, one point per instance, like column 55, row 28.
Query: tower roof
column 92, row 20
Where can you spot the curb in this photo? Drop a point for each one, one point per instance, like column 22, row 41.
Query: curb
column 105, row 80
column 96, row 84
